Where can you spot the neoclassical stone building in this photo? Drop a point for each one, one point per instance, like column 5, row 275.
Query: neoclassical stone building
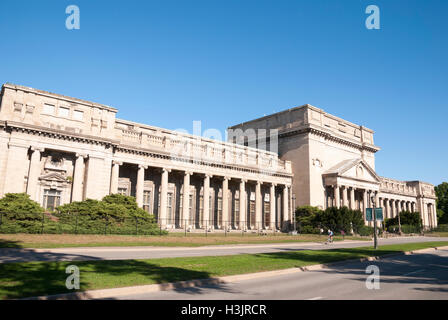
column 333, row 163
column 60, row 149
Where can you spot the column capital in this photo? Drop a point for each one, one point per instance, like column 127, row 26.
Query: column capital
column 83, row 155
column 208, row 175
column 244, row 180
column 35, row 148
column 188, row 173
column 273, row 184
column 115, row 162
column 142, row 166
column 227, row 178
column 166, row 170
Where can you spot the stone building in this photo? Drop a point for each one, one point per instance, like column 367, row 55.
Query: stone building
column 60, row 149
column 333, row 163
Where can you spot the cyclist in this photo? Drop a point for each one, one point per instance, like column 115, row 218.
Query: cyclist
column 330, row 236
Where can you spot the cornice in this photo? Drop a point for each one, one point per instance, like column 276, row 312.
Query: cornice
column 59, row 134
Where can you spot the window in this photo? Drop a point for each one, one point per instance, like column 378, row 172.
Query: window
column 252, row 213
column 169, row 207
column 48, row 109
column 123, row 191
column 190, row 205
column 220, row 212
column 237, row 210
column 52, row 199
column 267, row 212
column 78, row 115
column 147, row 201
column 64, row 112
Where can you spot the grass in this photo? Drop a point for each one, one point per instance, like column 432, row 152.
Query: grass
column 191, row 240
column 437, row 234
column 18, row 280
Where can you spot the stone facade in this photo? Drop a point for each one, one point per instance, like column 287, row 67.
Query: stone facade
column 60, row 149
column 333, row 162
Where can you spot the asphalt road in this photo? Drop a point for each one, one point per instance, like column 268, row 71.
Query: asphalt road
column 418, row 276
column 124, row 253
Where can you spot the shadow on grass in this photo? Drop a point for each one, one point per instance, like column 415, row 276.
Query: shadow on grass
column 43, row 279
column 9, row 244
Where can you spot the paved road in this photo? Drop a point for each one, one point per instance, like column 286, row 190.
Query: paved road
column 418, row 276
column 123, row 253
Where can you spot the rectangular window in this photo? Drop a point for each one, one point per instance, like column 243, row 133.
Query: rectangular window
column 237, row 211
column 190, row 206
column 147, row 201
column 252, row 213
column 52, row 199
column 48, row 109
column 123, row 191
column 169, row 207
column 201, row 209
column 220, row 212
column 64, row 112
column 267, row 213
column 78, row 115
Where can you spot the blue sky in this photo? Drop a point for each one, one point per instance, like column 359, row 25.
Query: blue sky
column 168, row 63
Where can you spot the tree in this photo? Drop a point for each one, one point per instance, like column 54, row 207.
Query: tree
column 442, row 202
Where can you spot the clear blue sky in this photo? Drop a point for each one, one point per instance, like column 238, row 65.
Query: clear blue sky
column 167, row 63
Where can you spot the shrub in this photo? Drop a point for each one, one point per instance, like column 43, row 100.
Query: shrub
column 20, row 214
column 311, row 219
column 365, row 231
column 442, row 228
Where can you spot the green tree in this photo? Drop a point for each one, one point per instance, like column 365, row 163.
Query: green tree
column 442, row 202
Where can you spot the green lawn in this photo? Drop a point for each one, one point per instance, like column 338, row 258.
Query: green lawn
column 171, row 240
column 18, row 280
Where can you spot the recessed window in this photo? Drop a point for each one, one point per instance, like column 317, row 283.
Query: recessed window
column 48, row 108
column 78, row 115
column 52, row 199
column 64, row 112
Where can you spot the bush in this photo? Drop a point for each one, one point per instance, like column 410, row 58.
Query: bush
column 311, row 219
column 411, row 220
column 115, row 214
column 365, row 231
column 20, row 214
column 442, row 228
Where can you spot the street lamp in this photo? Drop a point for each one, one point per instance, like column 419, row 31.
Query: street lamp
column 375, row 239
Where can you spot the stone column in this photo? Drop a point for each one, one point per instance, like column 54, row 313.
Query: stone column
column 258, row 204
column 186, row 200
column 34, row 173
column 225, row 203
column 163, row 197
column 272, row 205
column 243, row 204
column 388, row 209
column 285, row 205
column 114, row 176
column 140, row 185
column 78, row 178
column 344, row 196
column 337, row 197
column 399, row 206
column 206, row 200
column 352, row 198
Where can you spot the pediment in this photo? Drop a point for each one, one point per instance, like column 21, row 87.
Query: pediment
column 357, row 169
column 53, row 176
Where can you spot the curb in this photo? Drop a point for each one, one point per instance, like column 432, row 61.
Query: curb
column 125, row 291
